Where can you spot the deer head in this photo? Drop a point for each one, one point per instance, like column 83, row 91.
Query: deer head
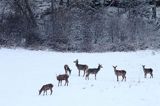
column 100, row 66
column 76, row 61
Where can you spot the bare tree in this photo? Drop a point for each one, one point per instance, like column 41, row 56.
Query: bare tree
column 154, row 9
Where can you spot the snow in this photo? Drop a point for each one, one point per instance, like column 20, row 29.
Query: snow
column 23, row 72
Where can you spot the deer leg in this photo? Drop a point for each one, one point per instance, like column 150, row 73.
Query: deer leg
column 145, row 75
column 43, row 93
column 51, row 91
column 58, row 83
column 117, row 78
column 67, row 82
column 61, row 82
column 122, row 78
column 84, row 73
column 86, row 78
column 78, row 72
column 151, row 75
column 95, row 76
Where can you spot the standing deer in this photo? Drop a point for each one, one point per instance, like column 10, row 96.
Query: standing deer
column 147, row 71
column 62, row 77
column 93, row 71
column 120, row 73
column 67, row 69
column 81, row 67
column 45, row 88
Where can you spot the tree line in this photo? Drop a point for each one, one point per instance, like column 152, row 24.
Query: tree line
column 79, row 25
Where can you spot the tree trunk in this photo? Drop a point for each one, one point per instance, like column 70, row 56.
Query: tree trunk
column 30, row 13
column 68, row 3
column 52, row 9
column 154, row 9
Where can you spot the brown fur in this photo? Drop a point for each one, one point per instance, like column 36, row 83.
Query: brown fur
column 46, row 87
column 147, row 71
column 62, row 77
column 80, row 67
column 67, row 69
column 120, row 73
column 93, row 71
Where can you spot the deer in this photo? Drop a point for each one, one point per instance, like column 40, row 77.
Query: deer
column 147, row 71
column 62, row 77
column 46, row 87
column 80, row 67
column 67, row 69
column 93, row 71
column 120, row 73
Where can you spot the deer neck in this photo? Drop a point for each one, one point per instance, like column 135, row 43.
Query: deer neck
column 98, row 68
column 77, row 64
column 143, row 69
column 115, row 71
column 40, row 91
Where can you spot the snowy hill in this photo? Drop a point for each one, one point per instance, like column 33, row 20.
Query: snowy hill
column 24, row 72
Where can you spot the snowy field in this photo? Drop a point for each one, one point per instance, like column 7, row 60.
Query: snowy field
column 23, row 72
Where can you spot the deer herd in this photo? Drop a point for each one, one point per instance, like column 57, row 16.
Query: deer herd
column 86, row 72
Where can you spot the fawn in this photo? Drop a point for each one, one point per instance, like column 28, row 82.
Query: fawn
column 67, row 69
column 147, row 71
column 45, row 88
column 81, row 67
column 62, row 77
column 93, row 71
column 120, row 73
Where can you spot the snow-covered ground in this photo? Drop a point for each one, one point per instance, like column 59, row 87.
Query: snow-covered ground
column 23, row 72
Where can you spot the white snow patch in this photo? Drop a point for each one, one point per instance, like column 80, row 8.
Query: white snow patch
column 23, row 73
